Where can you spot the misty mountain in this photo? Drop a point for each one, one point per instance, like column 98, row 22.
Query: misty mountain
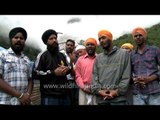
column 29, row 51
column 5, row 26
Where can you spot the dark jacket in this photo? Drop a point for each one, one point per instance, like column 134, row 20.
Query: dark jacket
column 50, row 84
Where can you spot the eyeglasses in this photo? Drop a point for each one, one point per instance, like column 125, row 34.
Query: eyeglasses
column 139, row 35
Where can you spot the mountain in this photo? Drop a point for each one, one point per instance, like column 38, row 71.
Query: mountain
column 153, row 37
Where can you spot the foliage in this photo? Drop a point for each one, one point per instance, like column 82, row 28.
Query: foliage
column 153, row 37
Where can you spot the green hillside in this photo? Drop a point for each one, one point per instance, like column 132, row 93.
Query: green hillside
column 153, row 37
column 153, row 34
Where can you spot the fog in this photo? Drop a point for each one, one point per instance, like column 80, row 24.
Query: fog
column 77, row 27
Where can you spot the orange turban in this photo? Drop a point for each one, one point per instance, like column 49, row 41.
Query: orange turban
column 105, row 33
column 127, row 45
column 140, row 31
column 91, row 40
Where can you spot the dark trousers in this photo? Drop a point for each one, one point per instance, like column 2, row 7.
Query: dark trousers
column 61, row 100
column 114, row 103
column 73, row 92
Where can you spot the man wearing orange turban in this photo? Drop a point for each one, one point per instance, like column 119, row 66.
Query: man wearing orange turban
column 105, row 33
column 140, row 31
column 105, row 36
column 111, row 72
column 145, row 61
column 83, row 70
column 91, row 40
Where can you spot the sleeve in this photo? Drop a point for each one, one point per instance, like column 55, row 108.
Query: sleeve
column 126, row 76
column 95, row 86
column 30, row 69
column 158, row 62
column 1, row 63
column 78, row 73
column 38, row 68
column 65, row 63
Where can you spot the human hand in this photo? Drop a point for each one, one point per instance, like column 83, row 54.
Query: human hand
column 141, row 81
column 25, row 99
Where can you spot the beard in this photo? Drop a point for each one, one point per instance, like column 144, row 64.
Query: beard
column 54, row 48
column 90, row 52
column 17, row 48
column 107, row 45
column 69, row 50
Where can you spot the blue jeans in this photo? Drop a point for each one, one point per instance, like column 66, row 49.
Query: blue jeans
column 145, row 99
column 63, row 100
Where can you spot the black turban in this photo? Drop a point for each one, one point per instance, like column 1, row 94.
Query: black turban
column 47, row 34
column 16, row 30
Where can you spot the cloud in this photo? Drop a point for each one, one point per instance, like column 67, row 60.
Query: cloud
column 74, row 20
column 79, row 27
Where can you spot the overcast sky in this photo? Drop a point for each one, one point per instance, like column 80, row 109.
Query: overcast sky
column 80, row 27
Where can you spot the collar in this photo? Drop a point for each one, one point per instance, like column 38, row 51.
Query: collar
column 114, row 49
column 146, row 48
column 10, row 51
column 86, row 55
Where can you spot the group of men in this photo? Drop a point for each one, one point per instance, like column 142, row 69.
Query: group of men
column 90, row 79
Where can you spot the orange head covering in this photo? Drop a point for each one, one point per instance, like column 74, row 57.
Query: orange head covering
column 105, row 33
column 140, row 31
column 127, row 45
column 91, row 40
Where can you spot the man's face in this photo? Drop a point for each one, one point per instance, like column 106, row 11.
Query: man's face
column 70, row 47
column 91, row 49
column 139, row 39
column 18, row 43
column 52, row 44
column 104, row 42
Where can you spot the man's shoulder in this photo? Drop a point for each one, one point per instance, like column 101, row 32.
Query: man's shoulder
column 26, row 58
column 123, row 50
column 152, row 47
column 61, row 54
column 99, row 54
column 41, row 53
column 63, row 51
